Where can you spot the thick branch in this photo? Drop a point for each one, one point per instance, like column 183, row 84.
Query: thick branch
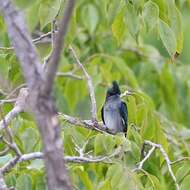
column 39, row 90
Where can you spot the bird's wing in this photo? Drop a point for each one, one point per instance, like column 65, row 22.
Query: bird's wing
column 124, row 114
column 102, row 114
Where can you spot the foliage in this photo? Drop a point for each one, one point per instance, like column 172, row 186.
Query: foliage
column 135, row 42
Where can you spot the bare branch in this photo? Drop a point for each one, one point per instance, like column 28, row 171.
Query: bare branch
column 88, row 124
column 40, row 100
column 14, row 91
column 19, row 107
column 73, row 159
column 70, row 75
column 53, row 30
column 7, row 101
column 90, row 85
column 59, row 42
column 165, row 156
column 10, row 116
column 35, row 41
column 180, row 160
column 141, row 163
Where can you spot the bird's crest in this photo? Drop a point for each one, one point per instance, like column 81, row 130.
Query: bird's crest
column 114, row 90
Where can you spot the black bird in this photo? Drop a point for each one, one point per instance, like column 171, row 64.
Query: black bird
column 114, row 112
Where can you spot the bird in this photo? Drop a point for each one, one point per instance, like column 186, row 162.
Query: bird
column 114, row 112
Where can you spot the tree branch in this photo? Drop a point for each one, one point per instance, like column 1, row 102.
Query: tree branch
column 40, row 87
column 59, row 42
column 88, row 124
column 71, row 159
column 2, row 183
column 180, row 160
column 90, row 85
column 165, row 156
column 70, row 75
column 19, row 107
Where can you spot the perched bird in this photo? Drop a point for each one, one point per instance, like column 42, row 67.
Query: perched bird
column 114, row 112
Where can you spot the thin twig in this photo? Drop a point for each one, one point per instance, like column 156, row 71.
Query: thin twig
column 180, row 160
column 5, row 101
column 53, row 30
column 165, row 156
column 90, row 85
column 141, row 163
column 70, row 75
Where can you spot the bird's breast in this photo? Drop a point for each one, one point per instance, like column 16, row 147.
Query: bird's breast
column 113, row 119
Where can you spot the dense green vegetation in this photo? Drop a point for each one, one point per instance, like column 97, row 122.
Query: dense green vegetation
column 141, row 44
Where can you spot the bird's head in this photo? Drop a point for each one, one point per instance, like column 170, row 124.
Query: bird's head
column 114, row 90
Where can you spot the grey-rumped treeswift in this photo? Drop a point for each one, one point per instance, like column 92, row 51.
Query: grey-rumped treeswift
column 114, row 111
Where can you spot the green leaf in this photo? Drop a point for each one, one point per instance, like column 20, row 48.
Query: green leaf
column 30, row 138
column 32, row 16
column 185, row 183
column 175, row 18
column 115, row 172
column 36, row 164
column 126, row 71
column 118, row 26
column 90, row 17
column 48, row 10
column 105, row 185
column 132, row 20
column 85, row 179
column 24, row 182
column 103, row 143
column 24, row 3
column 5, row 159
column 71, row 94
column 182, row 172
column 168, row 38
column 151, row 14
column 4, row 65
column 163, row 11
column 155, row 182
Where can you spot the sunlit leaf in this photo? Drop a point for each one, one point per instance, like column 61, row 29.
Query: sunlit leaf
column 48, row 10
column 118, row 26
column 168, row 38
column 151, row 14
